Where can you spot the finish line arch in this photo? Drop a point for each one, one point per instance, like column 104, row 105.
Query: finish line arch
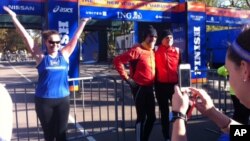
column 188, row 20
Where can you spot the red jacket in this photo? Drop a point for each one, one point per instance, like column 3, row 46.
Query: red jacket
column 141, row 65
column 167, row 62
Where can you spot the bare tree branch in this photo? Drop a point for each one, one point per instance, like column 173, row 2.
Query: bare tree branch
column 248, row 3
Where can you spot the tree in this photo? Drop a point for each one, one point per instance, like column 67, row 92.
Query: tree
column 242, row 4
column 3, row 33
column 10, row 40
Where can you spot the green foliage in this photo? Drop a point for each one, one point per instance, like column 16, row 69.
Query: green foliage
column 124, row 28
column 3, row 34
column 11, row 40
column 241, row 4
column 209, row 2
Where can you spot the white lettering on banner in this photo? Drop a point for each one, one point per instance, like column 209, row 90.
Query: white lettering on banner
column 162, row 17
column 197, row 49
column 130, row 15
column 113, row 2
column 63, row 29
column 95, row 1
column 22, row 7
column 196, row 17
column 103, row 13
column 62, row 9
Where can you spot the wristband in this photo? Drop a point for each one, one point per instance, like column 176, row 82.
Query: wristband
column 178, row 115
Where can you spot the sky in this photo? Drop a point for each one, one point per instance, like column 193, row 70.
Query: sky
column 225, row 2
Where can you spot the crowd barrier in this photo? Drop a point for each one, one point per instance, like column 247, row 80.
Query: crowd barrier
column 103, row 105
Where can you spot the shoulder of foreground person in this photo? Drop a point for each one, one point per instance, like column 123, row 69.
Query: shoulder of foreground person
column 6, row 114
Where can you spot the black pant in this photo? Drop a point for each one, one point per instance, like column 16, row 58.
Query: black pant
column 164, row 92
column 241, row 113
column 145, row 109
column 53, row 115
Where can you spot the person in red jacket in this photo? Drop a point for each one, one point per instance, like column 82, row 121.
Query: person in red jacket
column 141, row 80
column 167, row 60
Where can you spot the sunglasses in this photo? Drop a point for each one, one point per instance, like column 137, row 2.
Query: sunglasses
column 53, row 42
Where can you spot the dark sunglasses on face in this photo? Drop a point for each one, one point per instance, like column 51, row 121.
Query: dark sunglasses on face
column 54, row 42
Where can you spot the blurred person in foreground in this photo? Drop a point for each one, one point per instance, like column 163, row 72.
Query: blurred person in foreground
column 52, row 92
column 141, row 79
column 238, row 66
column 241, row 113
column 6, row 114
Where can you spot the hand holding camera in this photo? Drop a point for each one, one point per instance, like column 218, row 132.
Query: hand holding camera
column 182, row 93
column 183, row 102
column 180, row 101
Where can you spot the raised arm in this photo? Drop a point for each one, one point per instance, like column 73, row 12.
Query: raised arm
column 69, row 48
column 35, row 51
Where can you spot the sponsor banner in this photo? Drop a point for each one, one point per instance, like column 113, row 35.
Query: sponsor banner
column 131, row 15
column 226, row 21
column 63, row 17
column 24, row 7
column 123, row 14
column 223, row 12
column 227, row 17
column 132, row 5
column 132, row 10
column 197, row 43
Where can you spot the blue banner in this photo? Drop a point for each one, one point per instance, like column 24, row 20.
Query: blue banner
column 227, row 16
column 179, row 32
column 133, row 10
column 24, row 7
column 129, row 15
column 197, row 43
column 226, row 21
column 63, row 17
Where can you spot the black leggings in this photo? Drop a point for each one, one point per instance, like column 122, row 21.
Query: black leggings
column 164, row 92
column 241, row 113
column 145, row 109
column 53, row 115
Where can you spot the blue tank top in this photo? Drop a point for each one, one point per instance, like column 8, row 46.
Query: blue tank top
column 53, row 77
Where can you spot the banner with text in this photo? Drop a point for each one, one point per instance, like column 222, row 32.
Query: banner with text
column 197, row 41
column 24, row 7
column 132, row 10
column 63, row 17
column 227, row 17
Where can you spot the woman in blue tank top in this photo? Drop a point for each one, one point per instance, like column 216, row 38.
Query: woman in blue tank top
column 52, row 92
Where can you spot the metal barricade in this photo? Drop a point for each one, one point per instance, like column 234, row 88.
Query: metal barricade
column 25, row 123
column 213, row 84
column 93, row 110
column 101, row 105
